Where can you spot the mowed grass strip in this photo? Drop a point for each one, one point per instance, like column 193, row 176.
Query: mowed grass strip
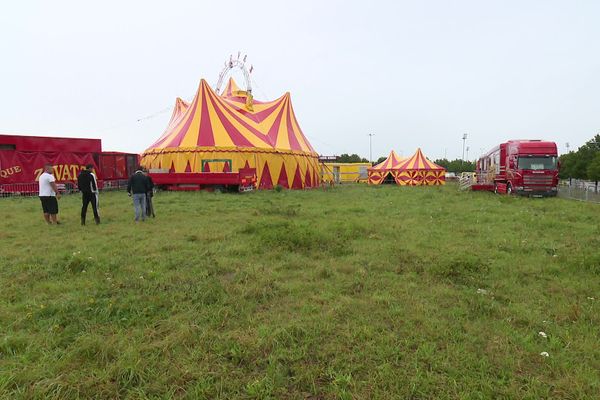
column 350, row 293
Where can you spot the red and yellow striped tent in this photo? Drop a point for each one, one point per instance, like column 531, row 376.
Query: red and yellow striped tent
column 232, row 131
column 414, row 171
column 387, row 169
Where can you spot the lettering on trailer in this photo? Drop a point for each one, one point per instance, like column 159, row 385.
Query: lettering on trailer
column 5, row 173
column 62, row 172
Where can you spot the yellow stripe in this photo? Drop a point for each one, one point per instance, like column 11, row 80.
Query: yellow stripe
column 255, row 141
column 260, row 107
column 220, row 135
column 191, row 136
column 282, row 137
column 268, row 122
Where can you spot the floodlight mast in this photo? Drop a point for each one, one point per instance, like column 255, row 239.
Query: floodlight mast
column 229, row 66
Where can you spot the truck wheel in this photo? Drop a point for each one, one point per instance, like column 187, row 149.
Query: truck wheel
column 509, row 190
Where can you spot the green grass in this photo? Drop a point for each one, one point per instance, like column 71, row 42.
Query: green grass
column 350, row 293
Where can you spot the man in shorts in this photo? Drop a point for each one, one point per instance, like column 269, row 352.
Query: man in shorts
column 49, row 195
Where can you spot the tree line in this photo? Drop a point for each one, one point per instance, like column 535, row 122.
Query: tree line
column 583, row 163
column 456, row 166
column 351, row 158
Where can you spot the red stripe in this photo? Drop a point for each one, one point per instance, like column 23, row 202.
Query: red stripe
column 255, row 132
column 297, row 182
column 312, row 150
column 283, row 179
column 274, row 129
column 257, row 117
column 236, row 137
column 262, row 115
column 265, row 179
column 206, row 136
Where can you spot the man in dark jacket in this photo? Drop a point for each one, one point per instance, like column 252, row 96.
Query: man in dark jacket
column 137, row 187
column 86, row 181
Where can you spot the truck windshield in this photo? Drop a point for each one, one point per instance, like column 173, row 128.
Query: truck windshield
column 537, row 163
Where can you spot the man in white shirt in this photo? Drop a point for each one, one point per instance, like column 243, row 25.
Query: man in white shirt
column 49, row 195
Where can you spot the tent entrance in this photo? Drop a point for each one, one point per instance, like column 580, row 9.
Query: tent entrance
column 388, row 180
column 216, row 165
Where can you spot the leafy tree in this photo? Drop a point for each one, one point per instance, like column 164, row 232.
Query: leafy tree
column 567, row 165
column 351, row 158
column 443, row 162
column 576, row 164
column 593, row 170
column 456, row 166
column 380, row 160
column 593, row 144
column 588, row 153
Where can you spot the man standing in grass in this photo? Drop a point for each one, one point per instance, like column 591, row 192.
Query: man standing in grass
column 137, row 187
column 88, row 186
column 149, row 195
column 49, row 195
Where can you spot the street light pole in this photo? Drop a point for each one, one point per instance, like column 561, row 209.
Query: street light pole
column 371, row 148
column 464, row 139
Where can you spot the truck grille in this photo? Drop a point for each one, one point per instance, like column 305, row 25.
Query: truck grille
column 545, row 180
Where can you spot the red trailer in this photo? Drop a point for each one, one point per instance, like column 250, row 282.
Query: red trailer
column 242, row 181
column 525, row 167
column 116, row 168
column 22, row 159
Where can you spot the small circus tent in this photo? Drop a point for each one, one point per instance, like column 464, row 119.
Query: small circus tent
column 223, row 133
column 414, row 171
column 385, row 171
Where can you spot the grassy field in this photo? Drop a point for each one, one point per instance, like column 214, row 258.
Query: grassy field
column 350, row 293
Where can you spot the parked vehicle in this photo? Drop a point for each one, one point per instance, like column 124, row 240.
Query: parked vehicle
column 22, row 159
column 242, row 181
column 524, row 167
column 116, row 168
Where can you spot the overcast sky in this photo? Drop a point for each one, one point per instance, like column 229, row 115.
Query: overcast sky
column 414, row 73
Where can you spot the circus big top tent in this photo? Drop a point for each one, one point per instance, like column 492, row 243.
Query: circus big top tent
column 223, row 133
column 414, row 171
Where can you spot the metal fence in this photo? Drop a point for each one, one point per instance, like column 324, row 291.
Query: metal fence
column 32, row 189
column 466, row 180
column 120, row 184
column 18, row 189
column 579, row 190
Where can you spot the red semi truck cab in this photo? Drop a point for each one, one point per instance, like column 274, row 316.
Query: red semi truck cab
column 525, row 167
